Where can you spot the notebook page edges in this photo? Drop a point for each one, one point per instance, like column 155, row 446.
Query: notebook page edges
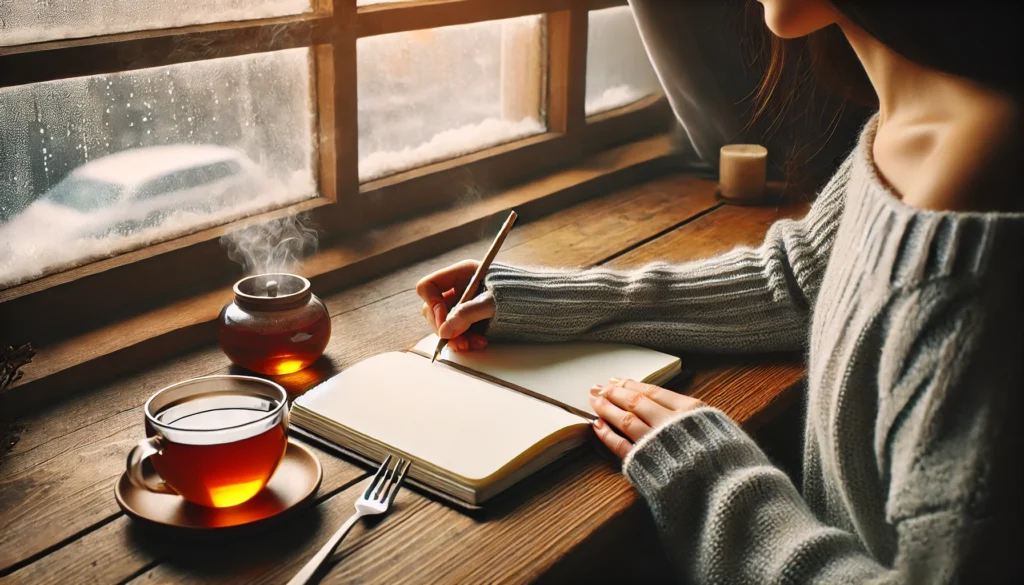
column 563, row 372
column 465, row 426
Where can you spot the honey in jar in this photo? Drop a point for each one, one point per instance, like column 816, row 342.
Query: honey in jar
column 276, row 325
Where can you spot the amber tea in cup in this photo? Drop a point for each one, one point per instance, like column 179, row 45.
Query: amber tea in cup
column 215, row 441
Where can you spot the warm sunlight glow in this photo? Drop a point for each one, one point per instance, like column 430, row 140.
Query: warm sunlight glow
column 289, row 366
column 234, row 494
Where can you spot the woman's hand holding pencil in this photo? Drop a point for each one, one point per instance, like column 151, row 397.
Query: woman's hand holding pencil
column 451, row 302
column 441, row 291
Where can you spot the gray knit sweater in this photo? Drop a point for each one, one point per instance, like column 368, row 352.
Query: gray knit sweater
column 912, row 325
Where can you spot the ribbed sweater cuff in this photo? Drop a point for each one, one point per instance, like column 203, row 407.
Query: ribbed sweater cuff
column 702, row 444
column 526, row 301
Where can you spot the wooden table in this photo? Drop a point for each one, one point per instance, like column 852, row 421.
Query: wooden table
column 577, row 520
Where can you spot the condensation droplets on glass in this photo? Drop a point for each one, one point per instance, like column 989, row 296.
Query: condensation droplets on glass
column 33, row 21
column 96, row 166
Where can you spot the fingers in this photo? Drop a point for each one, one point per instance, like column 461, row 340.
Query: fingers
column 649, row 411
column 634, row 408
column 627, row 422
column 441, row 290
column 468, row 341
column 667, row 398
column 428, row 314
column 432, row 288
column 615, row 443
column 463, row 316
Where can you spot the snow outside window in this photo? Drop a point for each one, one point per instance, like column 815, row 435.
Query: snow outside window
column 618, row 69
column 99, row 165
column 430, row 95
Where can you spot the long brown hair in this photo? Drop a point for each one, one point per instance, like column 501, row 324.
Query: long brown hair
column 810, row 80
column 813, row 91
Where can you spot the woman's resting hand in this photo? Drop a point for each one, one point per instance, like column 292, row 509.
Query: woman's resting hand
column 634, row 409
column 440, row 291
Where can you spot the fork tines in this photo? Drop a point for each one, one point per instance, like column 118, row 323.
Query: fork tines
column 384, row 486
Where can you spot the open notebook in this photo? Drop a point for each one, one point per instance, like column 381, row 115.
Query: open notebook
column 473, row 423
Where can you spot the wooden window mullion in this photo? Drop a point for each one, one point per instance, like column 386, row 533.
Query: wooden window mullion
column 346, row 109
column 337, row 111
column 567, row 68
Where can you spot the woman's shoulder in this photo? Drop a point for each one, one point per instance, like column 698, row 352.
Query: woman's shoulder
column 968, row 161
column 898, row 230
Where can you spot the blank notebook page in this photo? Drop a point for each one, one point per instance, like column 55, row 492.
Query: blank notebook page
column 467, row 426
column 563, row 371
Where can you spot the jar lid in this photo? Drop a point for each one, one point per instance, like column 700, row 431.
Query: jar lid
column 272, row 292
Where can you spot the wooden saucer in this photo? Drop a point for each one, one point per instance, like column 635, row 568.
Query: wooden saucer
column 294, row 484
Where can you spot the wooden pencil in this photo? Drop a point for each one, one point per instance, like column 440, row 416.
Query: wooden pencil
column 478, row 276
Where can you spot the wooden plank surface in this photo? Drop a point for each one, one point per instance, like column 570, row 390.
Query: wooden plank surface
column 60, row 523
column 747, row 388
column 123, row 342
column 100, row 427
column 567, row 504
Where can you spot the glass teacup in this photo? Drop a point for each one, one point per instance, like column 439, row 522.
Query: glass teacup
column 215, row 441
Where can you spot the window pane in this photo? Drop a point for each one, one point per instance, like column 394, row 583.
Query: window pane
column 618, row 69
column 94, row 166
column 31, row 21
column 434, row 94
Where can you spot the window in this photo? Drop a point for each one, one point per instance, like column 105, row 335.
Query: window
column 618, row 69
column 124, row 125
column 133, row 133
column 33, row 21
column 433, row 94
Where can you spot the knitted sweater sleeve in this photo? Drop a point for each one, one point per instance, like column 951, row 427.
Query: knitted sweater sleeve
column 727, row 515
column 746, row 300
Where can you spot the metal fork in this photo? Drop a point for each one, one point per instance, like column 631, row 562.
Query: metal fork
column 375, row 500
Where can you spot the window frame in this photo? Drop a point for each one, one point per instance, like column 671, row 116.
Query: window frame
column 343, row 206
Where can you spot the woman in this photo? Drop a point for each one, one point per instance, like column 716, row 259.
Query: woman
column 904, row 284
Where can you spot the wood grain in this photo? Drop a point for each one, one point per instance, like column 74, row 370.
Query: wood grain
column 47, row 61
column 49, row 463
column 128, row 342
column 728, row 227
column 120, row 549
column 54, row 425
column 385, row 18
column 345, row 109
column 570, row 503
column 326, row 94
column 601, row 4
column 54, row 490
column 567, row 68
column 278, row 558
column 750, row 389
column 497, row 167
column 37, row 62
column 433, row 543
column 196, row 259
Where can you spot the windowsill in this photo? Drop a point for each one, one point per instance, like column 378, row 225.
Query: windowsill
column 117, row 348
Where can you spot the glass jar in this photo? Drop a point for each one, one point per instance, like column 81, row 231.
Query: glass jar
column 276, row 325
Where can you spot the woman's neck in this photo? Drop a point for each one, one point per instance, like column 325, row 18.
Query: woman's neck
column 908, row 91
column 943, row 142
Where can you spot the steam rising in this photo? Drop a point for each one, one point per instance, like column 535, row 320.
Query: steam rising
column 276, row 246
